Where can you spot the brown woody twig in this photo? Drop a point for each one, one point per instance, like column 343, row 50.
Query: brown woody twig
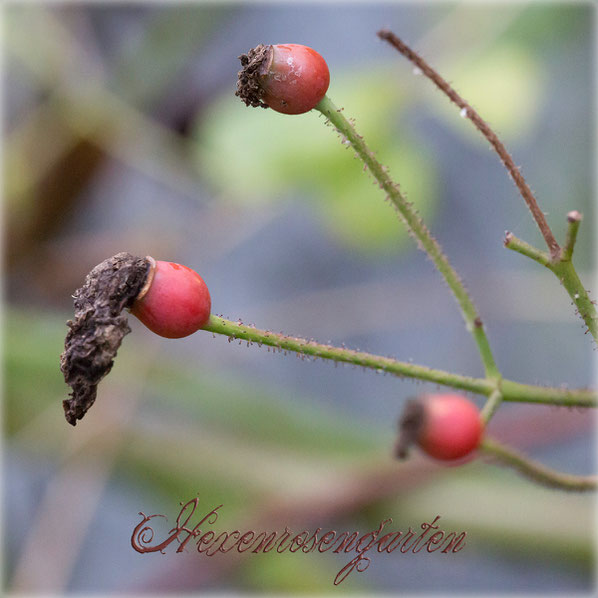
column 483, row 127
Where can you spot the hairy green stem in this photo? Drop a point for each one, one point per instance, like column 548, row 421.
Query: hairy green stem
column 530, row 393
column 511, row 391
column 418, row 229
column 574, row 220
column 537, row 472
column 564, row 270
column 515, row 244
column 559, row 260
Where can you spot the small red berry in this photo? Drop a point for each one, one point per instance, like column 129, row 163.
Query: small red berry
column 175, row 301
column 288, row 78
column 444, row 426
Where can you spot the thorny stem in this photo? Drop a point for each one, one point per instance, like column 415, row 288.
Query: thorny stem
column 511, row 391
column 565, row 272
column 537, row 472
column 562, row 267
column 484, row 129
column 559, row 261
column 516, row 244
column 418, row 229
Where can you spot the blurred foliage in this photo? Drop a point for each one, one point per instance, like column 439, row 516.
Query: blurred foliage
column 510, row 514
column 285, row 573
column 210, row 432
column 504, row 85
column 157, row 58
column 33, row 342
column 196, row 433
column 538, row 22
column 199, row 432
column 255, row 155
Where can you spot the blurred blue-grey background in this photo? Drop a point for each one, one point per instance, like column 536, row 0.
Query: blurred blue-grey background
column 122, row 133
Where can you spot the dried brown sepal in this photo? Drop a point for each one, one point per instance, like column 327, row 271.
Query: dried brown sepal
column 410, row 425
column 97, row 331
column 256, row 63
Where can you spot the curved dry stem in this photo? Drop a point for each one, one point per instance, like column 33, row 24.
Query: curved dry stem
column 482, row 126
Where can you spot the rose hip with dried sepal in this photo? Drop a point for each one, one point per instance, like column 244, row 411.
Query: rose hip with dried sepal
column 445, row 426
column 289, row 78
column 170, row 299
column 174, row 302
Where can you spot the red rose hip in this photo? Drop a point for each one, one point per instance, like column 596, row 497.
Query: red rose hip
column 444, row 426
column 175, row 301
column 289, row 78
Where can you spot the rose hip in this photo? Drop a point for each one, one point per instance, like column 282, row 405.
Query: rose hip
column 175, row 301
column 444, row 426
column 289, row 78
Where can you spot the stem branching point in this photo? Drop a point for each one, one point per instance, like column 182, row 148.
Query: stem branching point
column 562, row 267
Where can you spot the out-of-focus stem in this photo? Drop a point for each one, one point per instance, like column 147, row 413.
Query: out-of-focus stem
column 536, row 471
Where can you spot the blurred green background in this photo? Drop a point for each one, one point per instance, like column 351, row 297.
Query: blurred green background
column 122, row 133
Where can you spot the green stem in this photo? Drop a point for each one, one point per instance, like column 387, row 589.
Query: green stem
column 573, row 220
column 515, row 244
column 529, row 393
column 492, row 404
column 537, row 472
column 511, row 391
column 564, row 270
column 418, row 229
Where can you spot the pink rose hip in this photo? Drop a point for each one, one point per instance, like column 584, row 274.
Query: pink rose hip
column 289, row 78
column 444, row 426
column 175, row 301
